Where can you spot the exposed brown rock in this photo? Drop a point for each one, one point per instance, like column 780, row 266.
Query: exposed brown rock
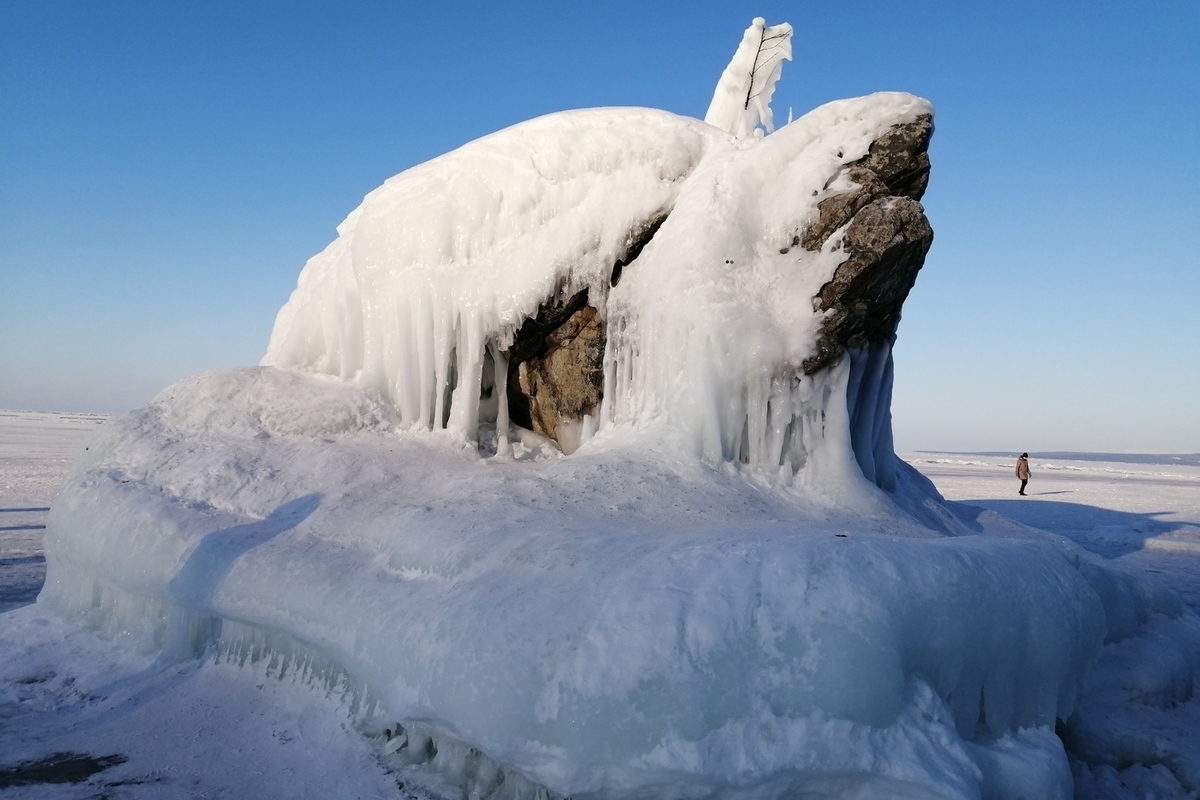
column 896, row 163
column 531, row 339
column 566, row 380
column 556, row 363
column 839, row 209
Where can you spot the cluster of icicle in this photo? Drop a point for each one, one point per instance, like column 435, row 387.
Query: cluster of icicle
column 443, row 263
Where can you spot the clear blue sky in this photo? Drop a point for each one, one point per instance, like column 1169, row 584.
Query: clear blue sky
column 167, row 168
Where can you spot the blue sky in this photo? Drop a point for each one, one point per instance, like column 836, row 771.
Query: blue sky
column 167, row 168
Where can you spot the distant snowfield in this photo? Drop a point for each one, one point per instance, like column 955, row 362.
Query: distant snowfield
column 150, row 729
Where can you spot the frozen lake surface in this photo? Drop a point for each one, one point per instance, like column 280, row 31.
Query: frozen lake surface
column 103, row 721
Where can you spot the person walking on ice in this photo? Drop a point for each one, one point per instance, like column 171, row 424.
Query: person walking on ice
column 1023, row 471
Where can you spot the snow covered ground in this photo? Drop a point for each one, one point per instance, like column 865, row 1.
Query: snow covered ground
column 82, row 716
column 35, row 451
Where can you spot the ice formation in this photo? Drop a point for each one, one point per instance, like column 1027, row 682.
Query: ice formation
column 742, row 100
column 430, row 278
column 712, row 597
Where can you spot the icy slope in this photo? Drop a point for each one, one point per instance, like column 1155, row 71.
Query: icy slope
column 623, row 622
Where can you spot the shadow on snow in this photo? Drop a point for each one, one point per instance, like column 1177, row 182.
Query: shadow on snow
column 1103, row 531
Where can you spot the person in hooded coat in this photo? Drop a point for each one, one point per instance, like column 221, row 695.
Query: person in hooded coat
column 1023, row 471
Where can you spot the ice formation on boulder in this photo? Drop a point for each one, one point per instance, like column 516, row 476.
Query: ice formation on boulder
column 709, row 326
column 441, row 265
column 681, row 240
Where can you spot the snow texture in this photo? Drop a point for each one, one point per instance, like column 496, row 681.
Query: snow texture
column 250, row 720
column 627, row 621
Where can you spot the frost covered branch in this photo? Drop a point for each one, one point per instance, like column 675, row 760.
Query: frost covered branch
column 742, row 100
column 774, row 56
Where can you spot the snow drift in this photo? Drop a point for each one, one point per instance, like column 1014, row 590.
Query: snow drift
column 708, row 598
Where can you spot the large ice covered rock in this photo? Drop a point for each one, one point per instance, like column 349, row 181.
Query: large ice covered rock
column 680, row 238
column 729, row 588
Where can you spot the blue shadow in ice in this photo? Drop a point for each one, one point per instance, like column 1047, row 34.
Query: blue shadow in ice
column 1103, row 531
column 202, row 574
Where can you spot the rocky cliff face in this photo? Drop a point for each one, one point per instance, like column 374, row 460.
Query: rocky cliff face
column 556, row 370
column 886, row 242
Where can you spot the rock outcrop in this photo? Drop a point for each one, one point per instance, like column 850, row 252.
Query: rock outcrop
column 886, row 242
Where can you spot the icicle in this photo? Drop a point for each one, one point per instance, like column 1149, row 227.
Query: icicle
column 757, row 399
column 464, row 404
column 500, row 362
column 442, row 356
column 590, row 422
column 423, row 322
